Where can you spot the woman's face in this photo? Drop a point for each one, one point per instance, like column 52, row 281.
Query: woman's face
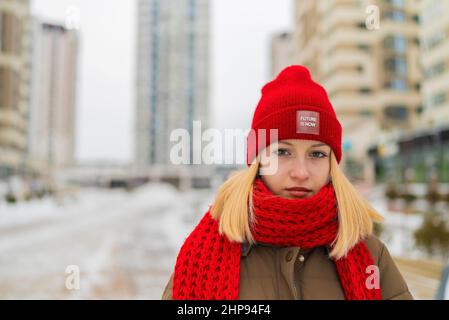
column 300, row 164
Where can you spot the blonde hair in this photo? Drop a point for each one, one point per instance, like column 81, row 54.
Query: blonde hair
column 233, row 210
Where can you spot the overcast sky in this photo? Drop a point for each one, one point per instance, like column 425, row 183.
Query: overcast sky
column 240, row 35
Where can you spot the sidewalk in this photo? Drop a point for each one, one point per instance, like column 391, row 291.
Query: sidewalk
column 422, row 276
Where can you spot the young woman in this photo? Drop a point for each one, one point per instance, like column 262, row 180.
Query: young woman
column 291, row 226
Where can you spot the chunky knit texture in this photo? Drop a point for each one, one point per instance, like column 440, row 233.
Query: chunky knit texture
column 208, row 264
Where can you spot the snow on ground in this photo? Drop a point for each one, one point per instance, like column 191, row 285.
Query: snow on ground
column 397, row 231
column 124, row 244
column 398, row 226
column 421, row 274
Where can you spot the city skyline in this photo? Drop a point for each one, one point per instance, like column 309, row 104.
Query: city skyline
column 239, row 59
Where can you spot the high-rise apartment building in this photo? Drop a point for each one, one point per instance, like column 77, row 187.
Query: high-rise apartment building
column 52, row 116
column 172, row 78
column 14, row 85
column 367, row 56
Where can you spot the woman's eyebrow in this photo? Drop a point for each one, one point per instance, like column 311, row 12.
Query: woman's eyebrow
column 319, row 145
column 314, row 145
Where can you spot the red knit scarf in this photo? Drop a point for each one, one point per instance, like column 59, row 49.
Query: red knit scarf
column 208, row 264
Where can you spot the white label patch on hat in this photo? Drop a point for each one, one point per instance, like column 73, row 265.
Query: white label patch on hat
column 308, row 122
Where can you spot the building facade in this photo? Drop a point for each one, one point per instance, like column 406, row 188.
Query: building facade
column 434, row 35
column 52, row 116
column 14, row 85
column 172, row 78
column 366, row 54
column 424, row 153
column 282, row 52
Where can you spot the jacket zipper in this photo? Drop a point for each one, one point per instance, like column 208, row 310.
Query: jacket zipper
column 295, row 291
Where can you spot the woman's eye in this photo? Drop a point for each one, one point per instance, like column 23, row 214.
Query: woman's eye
column 323, row 155
column 281, row 152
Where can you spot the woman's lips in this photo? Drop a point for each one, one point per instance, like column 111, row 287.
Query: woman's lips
column 296, row 193
column 300, row 192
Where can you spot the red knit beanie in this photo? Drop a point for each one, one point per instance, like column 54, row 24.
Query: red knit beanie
column 298, row 108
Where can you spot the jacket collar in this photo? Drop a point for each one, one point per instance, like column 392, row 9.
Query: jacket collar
column 246, row 248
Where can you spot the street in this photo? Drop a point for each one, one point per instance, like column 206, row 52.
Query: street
column 123, row 244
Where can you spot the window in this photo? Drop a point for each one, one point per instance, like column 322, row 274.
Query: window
column 366, row 113
column 399, row 3
column 361, row 25
column 439, row 98
column 416, row 41
column 395, row 15
column 399, row 85
column 396, row 43
column 396, row 3
column 365, row 90
column 364, row 47
column 191, row 10
column 433, row 41
column 10, row 29
column 435, row 100
column 396, row 113
column 396, row 65
column 435, row 70
column 419, row 109
column 9, row 88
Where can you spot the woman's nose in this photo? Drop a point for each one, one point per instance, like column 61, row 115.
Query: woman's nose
column 299, row 170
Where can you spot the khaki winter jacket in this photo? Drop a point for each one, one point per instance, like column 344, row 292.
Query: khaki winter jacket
column 289, row 273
